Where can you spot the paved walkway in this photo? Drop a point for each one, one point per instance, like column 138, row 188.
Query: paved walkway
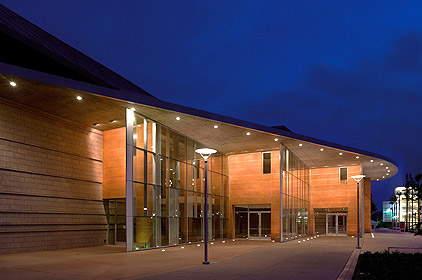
column 320, row 258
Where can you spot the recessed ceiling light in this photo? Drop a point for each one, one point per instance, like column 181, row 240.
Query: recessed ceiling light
column 386, row 167
column 79, row 97
column 248, row 133
column 13, row 84
column 113, row 121
column 378, row 179
column 372, row 160
column 388, row 170
column 178, row 118
column 133, row 109
column 300, row 145
column 321, row 149
column 276, row 139
column 340, row 154
column 357, row 156
column 381, row 163
column 215, row 126
column 95, row 124
column 383, row 176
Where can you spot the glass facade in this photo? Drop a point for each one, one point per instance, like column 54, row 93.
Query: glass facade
column 295, row 195
column 168, row 188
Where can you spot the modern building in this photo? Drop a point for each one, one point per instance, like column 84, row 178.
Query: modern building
column 403, row 209
column 87, row 158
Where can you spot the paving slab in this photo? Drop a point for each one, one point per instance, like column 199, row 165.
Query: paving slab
column 320, row 258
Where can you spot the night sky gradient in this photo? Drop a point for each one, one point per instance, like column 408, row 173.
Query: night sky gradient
column 349, row 72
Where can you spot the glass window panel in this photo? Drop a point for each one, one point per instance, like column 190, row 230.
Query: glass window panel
column 199, row 205
column 162, row 172
column 151, row 127
column 138, row 165
column 194, row 229
column 164, row 222
column 217, row 164
column 182, row 203
column 162, row 197
column 173, row 204
column 138, row 132
column 183, row 230
column 191, row 204
column 143, row 233
column 266, row 163
column 216, row 183
column 177, row 146
column 200, row 181
column 143, row 195
column 162, row 141
column 150, row 167
column 225, row 187
column 225, row 165
column 226, row 228
column 190, row 179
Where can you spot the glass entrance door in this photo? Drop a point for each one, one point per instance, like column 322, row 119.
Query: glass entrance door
column 336, row 224
column 259, row 224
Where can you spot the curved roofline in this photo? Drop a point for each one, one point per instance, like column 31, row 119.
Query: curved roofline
column 136, row 97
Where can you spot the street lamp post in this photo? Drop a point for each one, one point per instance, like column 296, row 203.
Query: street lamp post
column 358, row 178
column 206, row 154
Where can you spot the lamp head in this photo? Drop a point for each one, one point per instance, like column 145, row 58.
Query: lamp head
column 358, row 178
column 205, row 152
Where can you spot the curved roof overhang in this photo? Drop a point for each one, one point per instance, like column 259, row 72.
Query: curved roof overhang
column 56, row 95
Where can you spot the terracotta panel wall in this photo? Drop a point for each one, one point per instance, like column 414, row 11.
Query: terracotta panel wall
column 247, row 185
column 114, row 163
column 328, row 192
column 50, row 182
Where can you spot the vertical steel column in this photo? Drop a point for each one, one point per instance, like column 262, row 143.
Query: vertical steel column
column 206, row 216
column 130, row 118
column 362, row 206
column 281, row 193
column 357, row 190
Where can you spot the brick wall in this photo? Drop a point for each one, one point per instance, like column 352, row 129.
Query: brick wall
column 50, row 182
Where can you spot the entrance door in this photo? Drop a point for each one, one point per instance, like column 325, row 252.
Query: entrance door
column 336, row 224
column 259, row 224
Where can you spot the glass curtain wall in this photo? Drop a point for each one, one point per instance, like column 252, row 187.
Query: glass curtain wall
column 168, row 188
column 295, row 195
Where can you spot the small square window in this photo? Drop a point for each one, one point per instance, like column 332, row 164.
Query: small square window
column 343, row 173
column 266, row 163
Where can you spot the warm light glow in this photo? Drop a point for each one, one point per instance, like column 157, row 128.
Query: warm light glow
column 300, row 145
column 340, row 154
column 248, row 133
column 321, row 149
column 178, row 118
column 13, row 84
column 113, row 121
column 95, row 124
column 358, row 178
column 133, row 109
column 205, row 152
column 386, row 167
column 381, row 163
column 79, row 97
column 378, row 179
column 276, row 139
column 215, row 126
column 383, row 177
column 357, row 156
column 388, row 170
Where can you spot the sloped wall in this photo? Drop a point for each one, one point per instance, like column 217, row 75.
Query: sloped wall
column 50, row 182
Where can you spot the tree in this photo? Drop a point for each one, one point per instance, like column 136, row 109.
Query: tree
column 373, row 206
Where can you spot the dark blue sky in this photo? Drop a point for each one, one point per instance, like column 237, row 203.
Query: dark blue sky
column 343, row 71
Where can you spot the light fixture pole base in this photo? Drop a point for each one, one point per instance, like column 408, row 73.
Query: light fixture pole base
column 358, row 247
column 206, row 262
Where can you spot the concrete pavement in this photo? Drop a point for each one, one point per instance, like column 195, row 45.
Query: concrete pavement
column 320, row 258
